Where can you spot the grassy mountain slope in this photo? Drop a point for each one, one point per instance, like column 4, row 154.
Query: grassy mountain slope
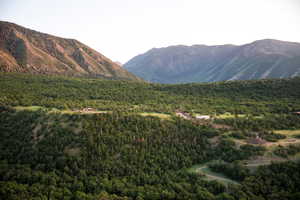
column 28, row 51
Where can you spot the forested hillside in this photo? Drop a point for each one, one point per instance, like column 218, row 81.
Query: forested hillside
column 262, row 96
column 80, row 138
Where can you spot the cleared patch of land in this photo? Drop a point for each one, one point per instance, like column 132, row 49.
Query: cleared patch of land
column 51, row 110
column 29, row 108
column 159, row 115
column 267, row 159
column 288, row 132
column 210, row 175
column 228, row 115
column 283, row 142
column 84, row 112
column 289, row 140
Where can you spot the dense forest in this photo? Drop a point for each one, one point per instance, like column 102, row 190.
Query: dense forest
column 252, row 97
column 53, row 154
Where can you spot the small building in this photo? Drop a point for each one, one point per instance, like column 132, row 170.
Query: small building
column 88, row 110
column 205, row 117
column 296, row 113
column 183, row 115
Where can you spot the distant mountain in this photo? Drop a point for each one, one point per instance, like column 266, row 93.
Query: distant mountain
column 28, row 51
column 201, row 63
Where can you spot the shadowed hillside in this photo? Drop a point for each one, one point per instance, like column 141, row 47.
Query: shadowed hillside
column 201, row 63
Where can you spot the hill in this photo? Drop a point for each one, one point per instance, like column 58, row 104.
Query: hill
column 29, row 51
column 84, row 138
column 201, row 63
column 255, row 96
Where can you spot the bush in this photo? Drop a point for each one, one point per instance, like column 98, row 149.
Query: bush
column 272, row 137
column 238, row 135
column 284, row 152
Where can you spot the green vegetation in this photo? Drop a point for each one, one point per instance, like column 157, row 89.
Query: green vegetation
column 288, row 132
column 268, row 122
column 229, row 115
column 159, row 115
column 287, row 151
column 293, row 133
column 131, row 145
column 254, row 98
column 272, row 137
column 238, row 135
column 210, row 175
column 234, row 170
column 30, row 108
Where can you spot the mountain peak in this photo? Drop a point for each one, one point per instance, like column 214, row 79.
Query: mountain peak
column 266, row 58
column 28, row 51
column 271, row 46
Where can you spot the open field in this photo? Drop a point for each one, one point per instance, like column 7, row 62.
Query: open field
column 228, row 115
column 159, row 115
column 288, row 132
column 36, row 108
column 29, row 108
column 52, row 110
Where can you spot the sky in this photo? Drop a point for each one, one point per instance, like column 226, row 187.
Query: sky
column 122, row 29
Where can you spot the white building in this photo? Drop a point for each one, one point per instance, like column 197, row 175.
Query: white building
column 206, row 117
column 179, row 114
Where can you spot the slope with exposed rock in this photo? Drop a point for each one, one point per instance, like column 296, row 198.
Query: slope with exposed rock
column 25, row 50
column 201, row 63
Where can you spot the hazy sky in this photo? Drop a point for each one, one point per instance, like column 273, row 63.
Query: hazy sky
column 121, row 29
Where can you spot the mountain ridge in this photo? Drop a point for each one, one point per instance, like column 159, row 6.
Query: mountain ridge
column 265, row 58
column 29, row 51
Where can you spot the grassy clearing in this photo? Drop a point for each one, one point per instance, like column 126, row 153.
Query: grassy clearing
column 228, row 115
column 36, row 108
column 288, row 132
column 210, row 175
column 195, row 114
column 29, row 108
column 83, row 112
column 55, row 110
column 159, row 115
column 267, row 159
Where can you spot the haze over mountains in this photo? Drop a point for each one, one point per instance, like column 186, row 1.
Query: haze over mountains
column 29, row 51
column 200, row 63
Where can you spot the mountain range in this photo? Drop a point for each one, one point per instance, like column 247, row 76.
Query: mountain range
column 201, row 63
column 29, row 51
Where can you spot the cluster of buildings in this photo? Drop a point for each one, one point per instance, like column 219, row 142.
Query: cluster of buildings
column 187, row 116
